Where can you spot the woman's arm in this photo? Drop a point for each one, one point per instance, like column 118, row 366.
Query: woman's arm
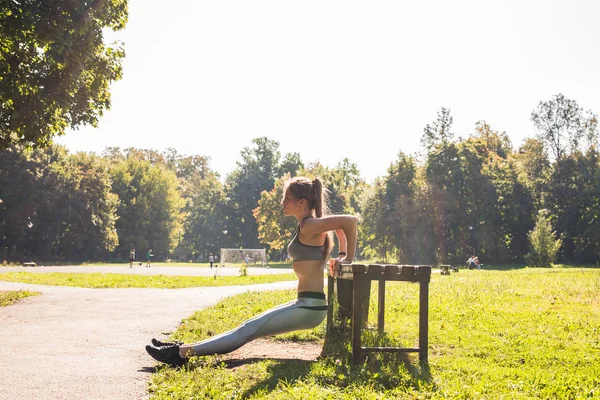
column 342, row 240
column 345, row 223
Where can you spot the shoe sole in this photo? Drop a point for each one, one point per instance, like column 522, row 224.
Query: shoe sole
column 158, row 343
column 157, row 356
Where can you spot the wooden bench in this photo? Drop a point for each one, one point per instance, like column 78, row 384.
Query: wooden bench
column 357, row 279
column 29, row 264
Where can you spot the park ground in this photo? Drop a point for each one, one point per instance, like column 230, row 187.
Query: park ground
column 511, row 332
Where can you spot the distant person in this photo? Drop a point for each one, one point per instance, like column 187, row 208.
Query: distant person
column 247, row 260
column 305, row 200
column 471, row 262
column 211, row 260
column 131, row 257
column 477, row 264
column 148, row 255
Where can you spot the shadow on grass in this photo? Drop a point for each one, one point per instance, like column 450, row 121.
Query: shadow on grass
column 384, row 368
column 280, row 369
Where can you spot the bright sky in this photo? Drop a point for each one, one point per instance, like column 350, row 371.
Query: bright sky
column 336, row 79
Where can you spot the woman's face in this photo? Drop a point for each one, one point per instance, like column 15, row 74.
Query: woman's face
column 289, row 204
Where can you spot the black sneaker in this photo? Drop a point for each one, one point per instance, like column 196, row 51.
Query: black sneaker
column 166, row 354
column 158, row 343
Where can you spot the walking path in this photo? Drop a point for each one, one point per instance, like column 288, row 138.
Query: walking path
column 76, row 343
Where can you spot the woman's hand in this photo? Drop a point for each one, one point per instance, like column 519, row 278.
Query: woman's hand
column 335, row 265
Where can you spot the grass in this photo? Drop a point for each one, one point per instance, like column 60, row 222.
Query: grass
column 503, row 334
column 109, row 280
column 154, row 264
column 8, row 298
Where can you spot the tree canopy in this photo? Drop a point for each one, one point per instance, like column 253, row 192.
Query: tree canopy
column 467, row 195
column 55, row 69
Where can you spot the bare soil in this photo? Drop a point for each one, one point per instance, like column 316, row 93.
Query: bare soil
column 266, row 348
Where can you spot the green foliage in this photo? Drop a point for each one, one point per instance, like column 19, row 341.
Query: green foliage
column 563, row 125
column 55, row 69
column 8, row 298
column 465, row 196
column 573, row 197
column 108, row 280
column 58, row 206
column 254, row 174
column 543, row 243
column 150, row 206
column 274, row 230
column 439, row 131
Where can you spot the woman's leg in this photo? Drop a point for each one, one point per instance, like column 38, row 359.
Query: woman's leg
column 307, row 312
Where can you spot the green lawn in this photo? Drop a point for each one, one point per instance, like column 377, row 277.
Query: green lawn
column 8, row 298
column 504, row 334
column 109, row 280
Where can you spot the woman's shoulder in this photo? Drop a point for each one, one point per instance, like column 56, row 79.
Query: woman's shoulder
column 327, row 222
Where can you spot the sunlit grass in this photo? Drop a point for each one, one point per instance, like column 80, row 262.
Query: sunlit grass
column 109, row 280
column 8, row 298
column 513, row 334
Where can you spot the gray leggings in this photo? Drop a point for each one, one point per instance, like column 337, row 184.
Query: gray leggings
column 306, row 312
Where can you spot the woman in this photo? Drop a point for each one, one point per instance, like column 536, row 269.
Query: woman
column 305, row 200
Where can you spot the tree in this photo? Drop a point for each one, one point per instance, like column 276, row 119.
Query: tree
column 255, row 173
column 439, row 130
column 562, row 125
column 76, row 213
column 56, row 206
column 533, row 170
column 291, row 164
column 375, row 237
column 274, row 229
column 543, row 243
column 573, row 199
column 20, row 171
column 54, row 66
column 206, row 220
column 150, row 207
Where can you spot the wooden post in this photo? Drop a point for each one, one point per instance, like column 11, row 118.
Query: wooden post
column 344, row 296
column 358, row 316
column 423, row 319
column 381, row 307
column 330, row 283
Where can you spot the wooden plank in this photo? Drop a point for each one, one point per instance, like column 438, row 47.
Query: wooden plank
column 359, row 268
column 376, row 269
column 408, row 270
column 391, row 269
column 424, row 270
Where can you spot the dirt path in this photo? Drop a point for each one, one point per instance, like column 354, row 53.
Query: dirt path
column 75, row 343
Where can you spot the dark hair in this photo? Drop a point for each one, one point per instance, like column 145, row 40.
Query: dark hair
column 317, row 198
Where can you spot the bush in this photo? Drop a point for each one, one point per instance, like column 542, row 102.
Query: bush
column 543, row 245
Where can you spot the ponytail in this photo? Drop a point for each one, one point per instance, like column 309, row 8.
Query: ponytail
column 317, row 198
column 321, row 209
